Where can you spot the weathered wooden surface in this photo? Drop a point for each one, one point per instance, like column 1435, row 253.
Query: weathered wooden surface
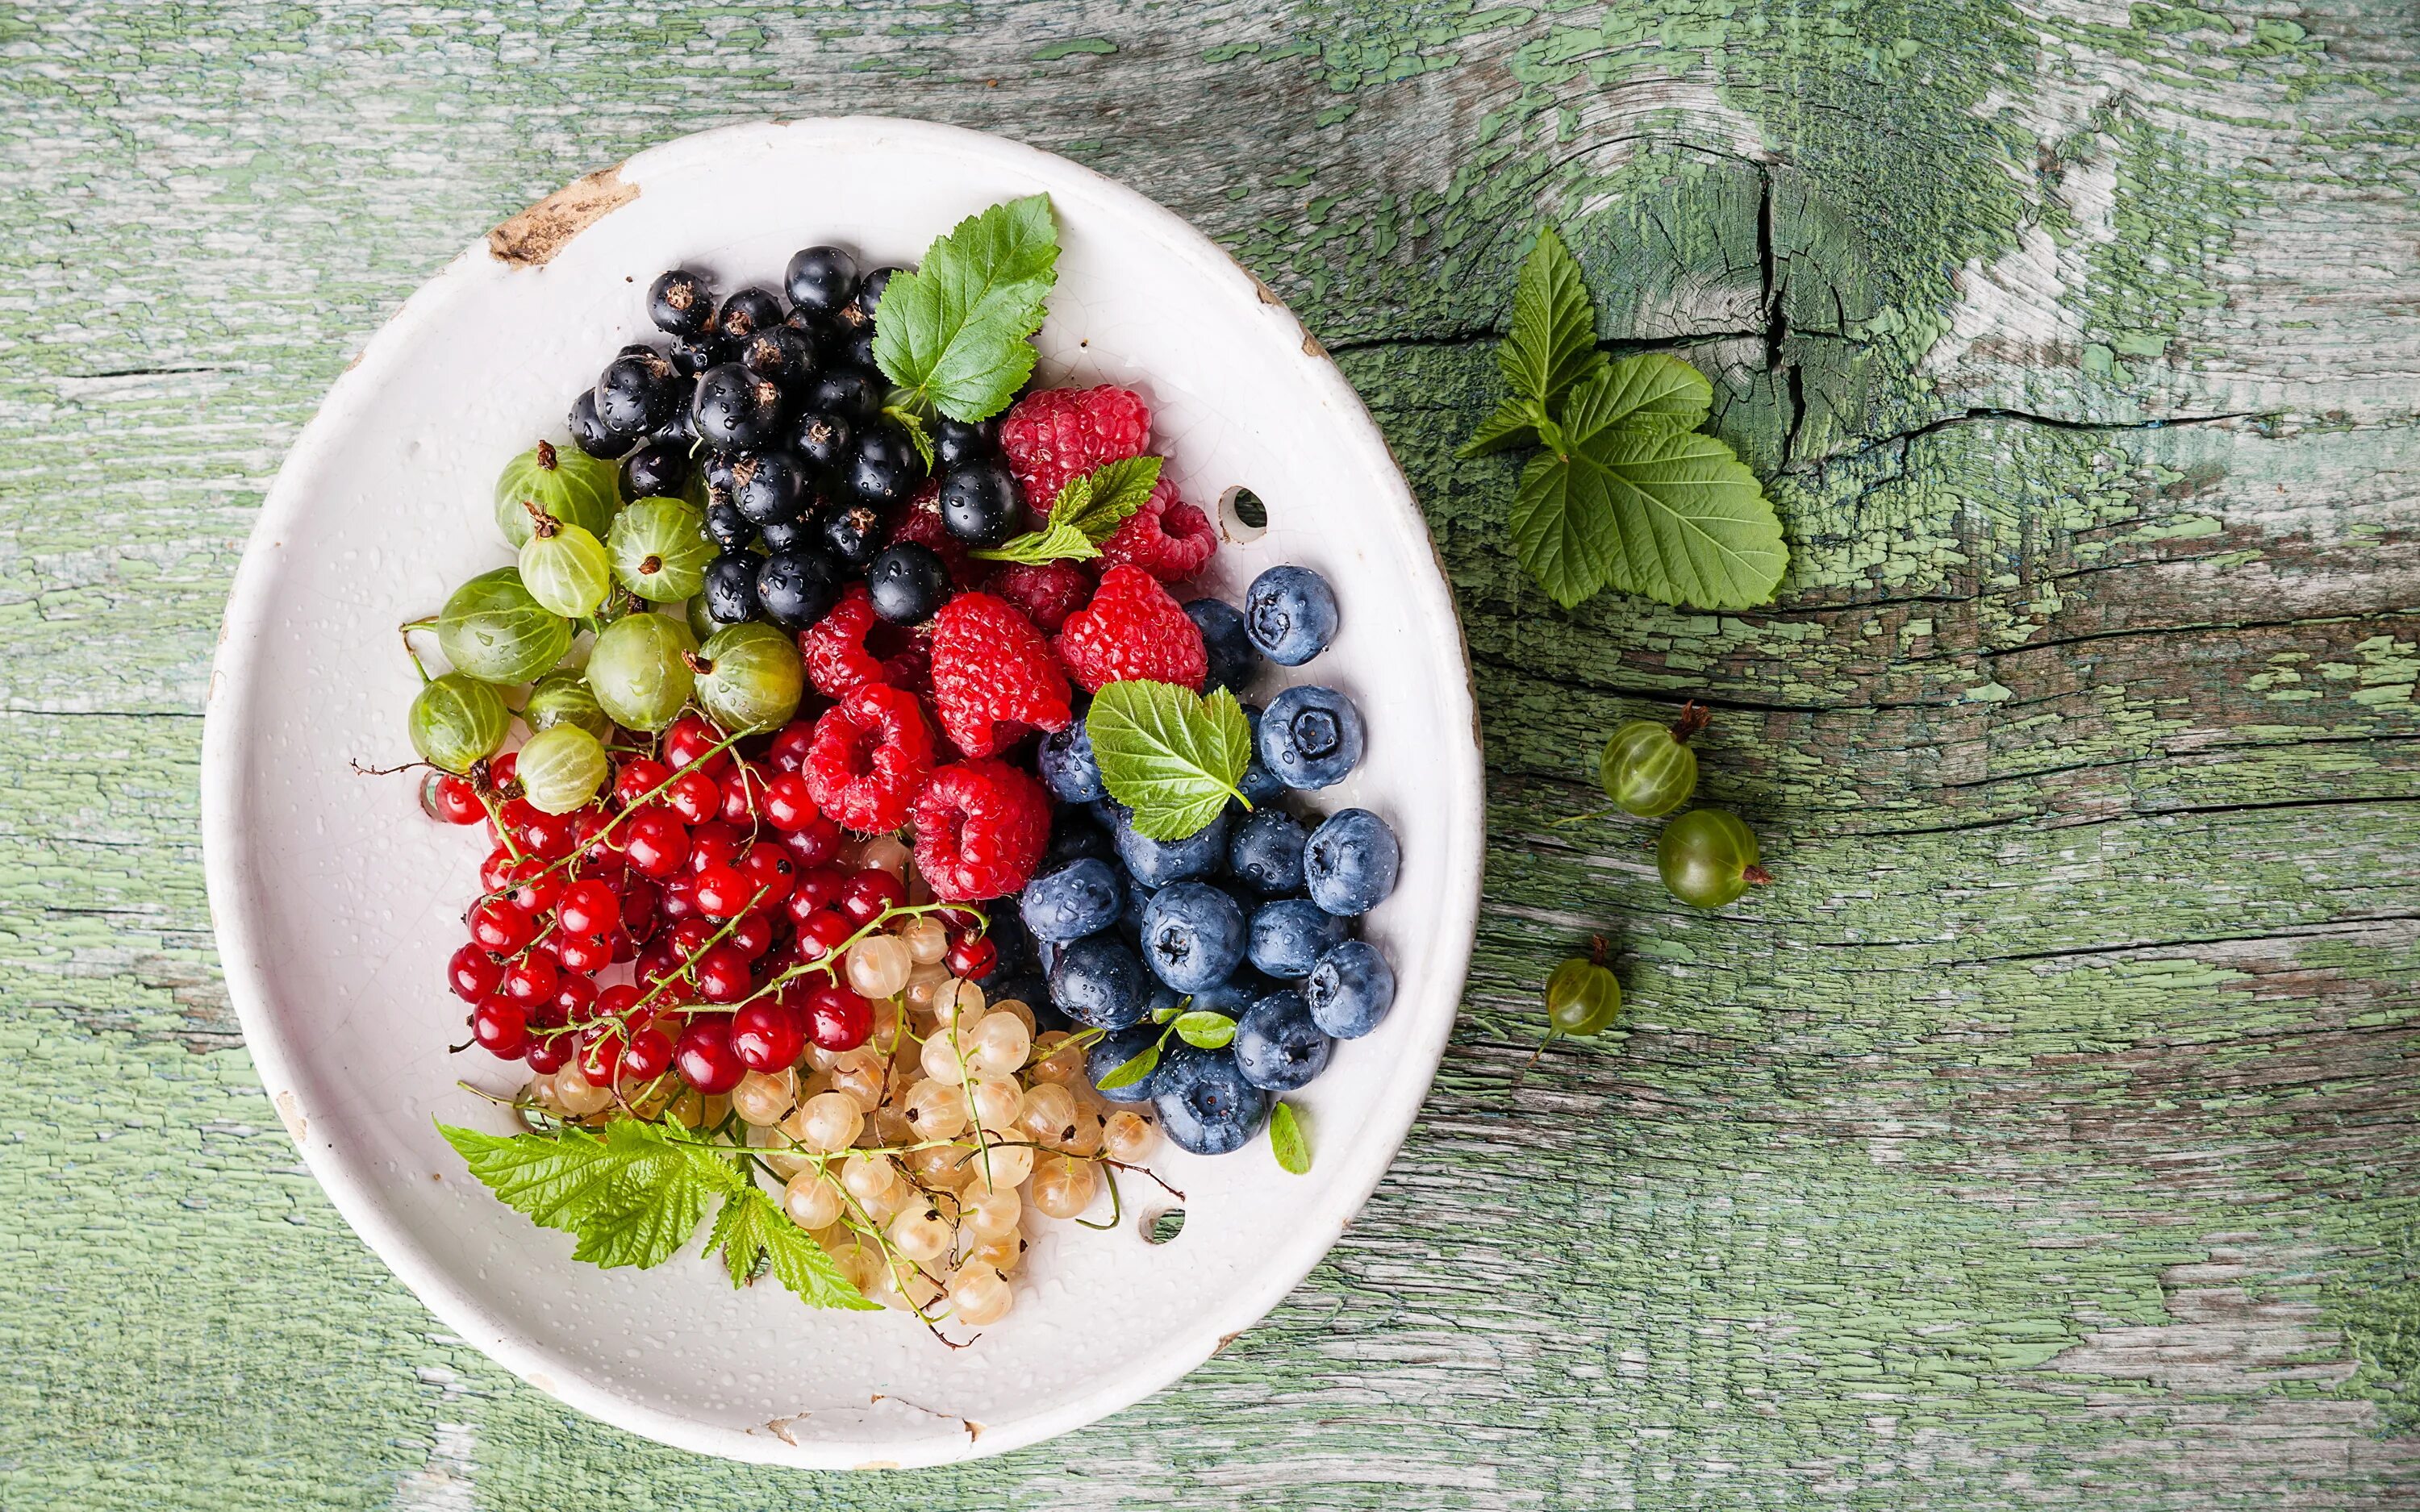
column 2044, row 1139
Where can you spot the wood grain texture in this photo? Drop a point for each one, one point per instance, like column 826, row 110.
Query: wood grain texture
column 2043, row 1139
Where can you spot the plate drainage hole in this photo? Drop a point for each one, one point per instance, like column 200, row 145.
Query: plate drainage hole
column 1242, row 516
column 1159, row 1227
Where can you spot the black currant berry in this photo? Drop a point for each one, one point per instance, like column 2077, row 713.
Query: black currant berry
column 858, row 351
column 821, row 279
column 797, row 588
column 782, row 353
column 980, row 503
column 769, row 487
column 731, row 529
column 680, row 303
column 692, row 355
column 823, row 439
column 956, row 441
column 788, row 534
column 591, row 433
column 851, row 392
column 716, row 470
column 854, row 534
column 884, row 467
column 748, row 312
column 731, row 587
column 869, row 293
column 657, row 469
column 907, row 583
column 681, row 428
column 639, row 391
column 737, row 411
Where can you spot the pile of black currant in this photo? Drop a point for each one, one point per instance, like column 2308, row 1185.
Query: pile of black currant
column 778, row 420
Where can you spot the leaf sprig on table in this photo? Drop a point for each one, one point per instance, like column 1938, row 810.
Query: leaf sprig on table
column 1623, row 492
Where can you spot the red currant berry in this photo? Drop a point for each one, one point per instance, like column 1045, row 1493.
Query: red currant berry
column 817, row 842
column 679, row 898
column 753, row 934
column 575, row 998
column 724, row 975
column 838, row 1019
column 473, row 973
column 550, row 1055
column 688, row 741
column 453, row 799
column 703, row 1055
column 656, row 960
column 589, row 907
column 656, row 843
column 496, row 870
column 502, row 1029
column 695, row 797
column 772, row 869
column 504, row 773
column 625, row 948
column 788, row 806
column 500, row 929
column 614, row 1001
column 600, row 1053
column 534, row 884
column 821, row 934
column 638, row 778
column 639, row 899
column 972, row 958
column 868, row 893
column 768, row 1035
column 690, row 935
column 648, row 1053
column 715, row 843
column 740, row 791
column 723, row 893
column 530, row 978
column 583, row 953
column 789, row 751
column 815, row 888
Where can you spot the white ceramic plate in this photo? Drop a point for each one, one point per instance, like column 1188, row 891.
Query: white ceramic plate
column 336, row 902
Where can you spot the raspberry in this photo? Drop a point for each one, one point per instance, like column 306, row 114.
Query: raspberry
column 1053, row 435
column 872, row 750
column 921, row 522
column 838, row 662
column 1046, row 593
column 980, row 828
column 993, row 675
column 1167, row 538
column 1132, row 630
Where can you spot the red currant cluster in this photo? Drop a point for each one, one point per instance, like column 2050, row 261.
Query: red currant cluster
column 713, row 876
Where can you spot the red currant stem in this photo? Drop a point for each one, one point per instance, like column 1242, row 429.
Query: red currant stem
column 405, row 630
column 1142, row 1170
column 830, row 965
column 615, row 822
column 358, row 770
column 1755, row 876
column 504, row 833
column 1694, row 716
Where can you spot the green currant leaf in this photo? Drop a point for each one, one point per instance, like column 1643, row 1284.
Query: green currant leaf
column 754, row 1230
column 1099, row 502
column 953, row 333
column 1056, row 542
column 1654, row 393
column 1130, row 1072
column 1287, row 1141
column 1205, row 1030
column 1552, row 344
column 1515, row 423
column 632, row 1198
column 1169, row 754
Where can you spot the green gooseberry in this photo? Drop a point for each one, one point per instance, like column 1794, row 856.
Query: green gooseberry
column 1582, row 996
column 639, row 669
column 1647, row 769
column 563, row 566
column 1708, row 858
column 561, row 769
column 493, row 630
column 749, row 677
column 661, row 548
column 568, row 485
column 565, row 698
column 458, row 722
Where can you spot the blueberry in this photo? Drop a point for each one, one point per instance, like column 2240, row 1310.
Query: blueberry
column 1098, row 980
column 1112, row 1051
column 955, row 442
column 854, row 534
column 1291, row 613
column 680, row 303
column 769, row 487
column 787, row 535
column 821, row 279
column 1288, row 937
column 1203, row 1102
column 1012, row 945
column 731, row 588
column 1129, row 924
column 748, row 312
column 1311, row 737
column 797, row 588
column 1068, row 767
column 1278, row 1047
column 736, row 411
column 1034, row 992
column 882, row 468
column 1351, row 862
column 1265, row 851
column 980, row 504
column 851, row 392
column 907, row 583
column 1158, row 863
column 1350, row 990
column 1192, row 936
column 824, row 439
column 1074, row 835
column 655, row 470
column 731, row 529
column 1234, row 661
column 1081, row 898
column 1260, row 785
column 1237, row 994
column 592, row 434
column 782, row 353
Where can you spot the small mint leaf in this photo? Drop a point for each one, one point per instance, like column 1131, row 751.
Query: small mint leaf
column 1056, row 542
column 1127, row 1073
column 1205, row 1030
column 1099, row 502
column 1287, row 1141
column 1169, row 754
column 953, row 333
